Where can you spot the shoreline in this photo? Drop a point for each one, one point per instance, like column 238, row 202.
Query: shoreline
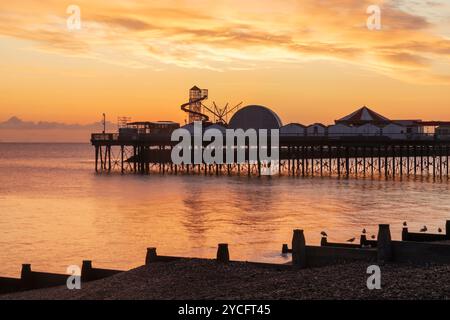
column 201, row 279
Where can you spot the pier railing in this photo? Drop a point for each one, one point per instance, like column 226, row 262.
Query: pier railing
column 115, row 137
column 104, row 137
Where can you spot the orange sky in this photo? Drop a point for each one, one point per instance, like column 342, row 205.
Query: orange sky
column 309, row 60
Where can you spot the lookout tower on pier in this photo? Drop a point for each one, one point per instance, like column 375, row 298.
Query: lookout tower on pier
column 196, row 96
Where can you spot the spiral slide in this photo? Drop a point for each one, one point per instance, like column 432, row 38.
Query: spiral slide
column 185, row 108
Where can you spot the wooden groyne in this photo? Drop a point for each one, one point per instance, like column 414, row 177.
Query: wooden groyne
column 30, row 280
column 416, row 248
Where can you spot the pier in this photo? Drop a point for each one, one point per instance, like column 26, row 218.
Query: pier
column 361, row 144
column 423, row 156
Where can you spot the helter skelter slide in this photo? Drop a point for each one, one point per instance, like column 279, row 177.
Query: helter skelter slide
column 195, row 105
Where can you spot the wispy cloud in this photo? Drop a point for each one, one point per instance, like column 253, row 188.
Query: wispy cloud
column 231, row 34
column 15, row 123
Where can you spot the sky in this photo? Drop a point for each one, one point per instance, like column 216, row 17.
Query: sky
column 308, row 60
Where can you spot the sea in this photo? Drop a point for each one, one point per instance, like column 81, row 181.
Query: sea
column 55, row 211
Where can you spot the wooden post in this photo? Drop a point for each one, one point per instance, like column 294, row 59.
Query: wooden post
column 433, row 155
column 303, row 161
column 223, row 254
column 364, row 160
column 289, row 160
column 121, row 159
column 447, row 152
column 299, row 249
column 393, row 162
column 384, row 246
column 101, row 157
column 347, row 162
column 151, row 256
column 407, row 161
column 26, row 276
column 386, row 162
column 109, row 158
column 330, row 160
column 421, row 159
column 363, row 240
column 338, row 159
column 415, row 160
column 285, row 249
column 321, row 160
column 405, row 234
column 372, row 161
column 379, row 161
column 134, row 158
column 447, row 229
column 86, row 270
column 96, row 158
column 258, row 156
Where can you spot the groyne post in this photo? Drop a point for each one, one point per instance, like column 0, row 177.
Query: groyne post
column 384, row 247
column 26, row 276
column 447, row 228
column 363, row 240
column 223, row 255
column 285, row 249
column 299, row 249
column 405, row 234
column 151, row 256
column 86, row 270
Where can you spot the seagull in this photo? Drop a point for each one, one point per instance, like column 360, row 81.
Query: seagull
column 351, row 240
column 323, row 233
column 440, row 230
column 424, row 229
column 373, row 236
column 405, row 224
column 364, row 231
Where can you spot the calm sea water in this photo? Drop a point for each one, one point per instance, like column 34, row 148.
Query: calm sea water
column 55, row 211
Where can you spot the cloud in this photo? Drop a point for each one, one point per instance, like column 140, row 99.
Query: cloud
column 231, row 34
column 405, row 59
column 14, row 123
column 128, row 23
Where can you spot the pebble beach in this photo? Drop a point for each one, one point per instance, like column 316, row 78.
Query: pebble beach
column 198, row 279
